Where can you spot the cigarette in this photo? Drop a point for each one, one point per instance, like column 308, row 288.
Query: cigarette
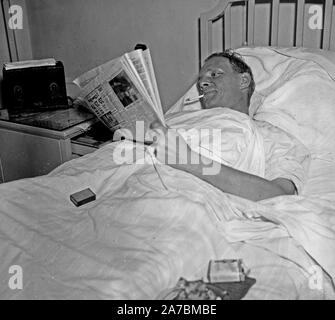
column 194, row 99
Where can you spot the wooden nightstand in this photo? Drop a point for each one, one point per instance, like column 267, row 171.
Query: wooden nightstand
column 30, row 150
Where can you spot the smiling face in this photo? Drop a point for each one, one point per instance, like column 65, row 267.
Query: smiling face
column 221, row 85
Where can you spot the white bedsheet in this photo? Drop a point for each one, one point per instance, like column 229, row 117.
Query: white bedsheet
column 138, row 238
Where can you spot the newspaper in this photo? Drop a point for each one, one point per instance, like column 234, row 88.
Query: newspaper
column 123, row 92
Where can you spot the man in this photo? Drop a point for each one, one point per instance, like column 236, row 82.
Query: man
column 227, row 81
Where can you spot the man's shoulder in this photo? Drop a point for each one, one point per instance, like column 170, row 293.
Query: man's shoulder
column 274, row 136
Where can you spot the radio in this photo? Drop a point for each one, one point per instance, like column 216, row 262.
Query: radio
column 37, row 88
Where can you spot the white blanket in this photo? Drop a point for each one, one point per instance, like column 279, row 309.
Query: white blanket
column 147, row 228
column 141, row 235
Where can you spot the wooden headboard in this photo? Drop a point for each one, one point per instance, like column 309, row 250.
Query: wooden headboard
column 222, row 14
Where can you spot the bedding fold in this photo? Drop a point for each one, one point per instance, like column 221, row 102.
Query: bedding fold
column 138, row 238
column 152, row 224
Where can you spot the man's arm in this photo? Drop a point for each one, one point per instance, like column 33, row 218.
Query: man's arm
column 240, row 183
column 226, row 178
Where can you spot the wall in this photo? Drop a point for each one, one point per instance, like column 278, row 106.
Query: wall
column 4, row 52
column 86, row 33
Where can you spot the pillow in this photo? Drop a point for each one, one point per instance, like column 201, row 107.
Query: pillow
column 295, row 91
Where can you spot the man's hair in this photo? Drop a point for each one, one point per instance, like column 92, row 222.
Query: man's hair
column 238, row 65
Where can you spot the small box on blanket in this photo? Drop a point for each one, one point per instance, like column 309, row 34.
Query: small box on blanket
column 82, row 197
column 229, row 270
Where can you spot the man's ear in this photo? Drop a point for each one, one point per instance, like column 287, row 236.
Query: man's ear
column 245, row 80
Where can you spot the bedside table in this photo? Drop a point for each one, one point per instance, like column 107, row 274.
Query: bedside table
column 29, row 150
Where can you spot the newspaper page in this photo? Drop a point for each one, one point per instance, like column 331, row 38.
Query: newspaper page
column 137, row 59
column 116, row 97
column 153, row 81
column 83, row 80
column 133, row 69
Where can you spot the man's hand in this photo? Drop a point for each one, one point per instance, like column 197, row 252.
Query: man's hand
column 170, row 147
column 287, row 186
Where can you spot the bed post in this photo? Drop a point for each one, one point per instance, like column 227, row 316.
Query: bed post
column 299, row 34
column 274, row 22
column 328, row 12
column 206, row 21
column 251, row 22
column 222, row 10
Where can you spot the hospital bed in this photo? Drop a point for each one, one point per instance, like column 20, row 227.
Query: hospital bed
column 144, row 232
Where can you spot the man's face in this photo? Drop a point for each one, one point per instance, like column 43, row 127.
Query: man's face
column 220, row 84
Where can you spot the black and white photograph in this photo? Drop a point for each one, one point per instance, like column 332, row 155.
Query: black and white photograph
column 157, row 151
column 124, row 89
